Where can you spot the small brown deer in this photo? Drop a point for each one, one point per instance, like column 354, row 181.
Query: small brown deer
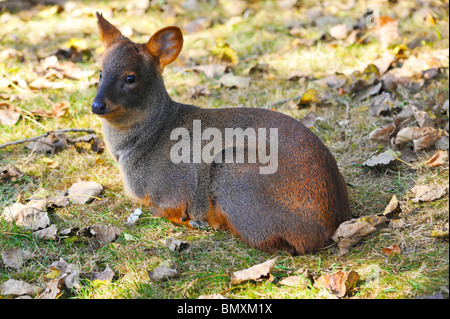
column 293, row 206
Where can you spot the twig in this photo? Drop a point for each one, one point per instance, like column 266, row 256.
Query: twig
column 26, row 140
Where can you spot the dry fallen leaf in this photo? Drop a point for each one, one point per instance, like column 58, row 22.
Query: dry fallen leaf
column 53, row 288
column 105, row 275
column 24, row 215
column 297, row 280
column 48, row 233
column 422, row 117
column 386, row 30
column 103, row 233
column 310, row 96
column 393, row 209
column 339, row 283
column 84, row 192
column 53, row 143
column 256, row 273
column 19, row 288
column 382, row 104
column 8, row 116
column 391, row 250
column 427, row 193
column 398, row 223
column 10, row 173
column 351, row 232
column 176, row 245
column 422, row 137
column 382, row 159
column 69, row 272
column 60, row 109
column 230, row 80
column 200, row 90
column 211, row 71
column 310, row 119
column 382, row 134
column 15, row 257
column 339, row 31
column 163, row 272
column 437, row 159
column 440, row 231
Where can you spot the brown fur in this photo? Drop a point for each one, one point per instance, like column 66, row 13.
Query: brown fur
column 296, row 209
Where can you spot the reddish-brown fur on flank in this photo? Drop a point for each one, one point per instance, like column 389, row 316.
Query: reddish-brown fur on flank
column 174, row 214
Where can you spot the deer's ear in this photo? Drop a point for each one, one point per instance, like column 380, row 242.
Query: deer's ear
column 108, row 32
column 165, row 45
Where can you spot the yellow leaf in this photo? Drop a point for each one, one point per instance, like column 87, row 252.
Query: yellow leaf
column 224, row 52
column 310, row 96
column 53, row 274
column 77, row 44
column 401, row 51
column 429, row 20
column 50, row 163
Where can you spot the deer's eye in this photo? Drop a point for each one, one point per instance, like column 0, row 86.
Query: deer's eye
column 100, row 74
column 130, row 79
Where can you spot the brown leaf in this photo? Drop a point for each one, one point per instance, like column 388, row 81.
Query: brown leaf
column 163, row 272
column 384, row 63
column 310, row 119
column 398, row 223
column 15, row 257
column 422, row 137
column 49, row 144
column 382, row 134
column 200, row 90
column 393, row 209
column 351, row 232
column 53, row 288
column 382, row 159
column 19, row 288
column 69, row 272
column 176, row 245
column 84, row 192
column 10, row 173
column 8, row 116
column 27, row 216
column 391, row 250
column 339, row 31
column 233, row 81
column 437, row 159
column 60, row 109
column 386, row 31
column 296, row 280
column 427, row 193
column 369, row 91
column 105, row 275
column 48, row 233
column 256, row 273
column 339, row 283
column 382, row 104
column 421, row 117
column 103, row 233
column 211, row 71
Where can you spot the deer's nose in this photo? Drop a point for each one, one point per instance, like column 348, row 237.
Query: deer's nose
column 98, row 108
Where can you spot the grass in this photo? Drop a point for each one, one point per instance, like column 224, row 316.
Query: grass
column 422, row 267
